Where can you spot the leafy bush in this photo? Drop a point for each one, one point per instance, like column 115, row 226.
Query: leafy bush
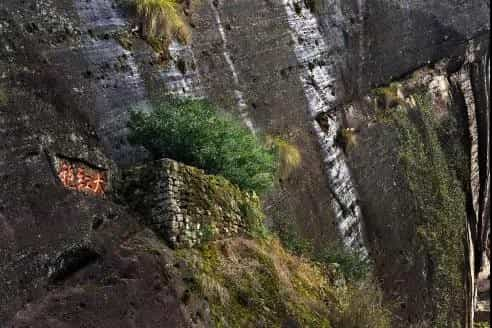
column 193, row 132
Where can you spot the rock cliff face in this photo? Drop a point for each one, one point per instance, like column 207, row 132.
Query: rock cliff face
column 71, row 70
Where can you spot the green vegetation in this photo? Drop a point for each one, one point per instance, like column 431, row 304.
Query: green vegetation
column 250, row 282
column 439, row 202
column 361, row 306
column 161, row 21
column 291, row 240
column 387, row 97
column 352, row 265
column 346, row 138
column 208, row 232
column 193, row 132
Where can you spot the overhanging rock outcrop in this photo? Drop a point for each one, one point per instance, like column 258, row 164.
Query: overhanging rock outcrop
column 188, row 207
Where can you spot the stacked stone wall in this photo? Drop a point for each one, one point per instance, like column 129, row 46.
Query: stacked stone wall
column 188, row 207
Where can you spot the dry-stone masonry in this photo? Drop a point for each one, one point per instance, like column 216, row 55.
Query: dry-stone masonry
column 186, row 206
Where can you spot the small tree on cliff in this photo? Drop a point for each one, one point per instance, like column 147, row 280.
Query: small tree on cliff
column 193, row 132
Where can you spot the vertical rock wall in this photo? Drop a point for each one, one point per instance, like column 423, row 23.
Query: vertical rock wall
column 318, row 82
column 473, row 82
column 254, row 41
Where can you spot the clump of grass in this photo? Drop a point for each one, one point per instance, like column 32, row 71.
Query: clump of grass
column 258, row 281
column 353, row 266
column 163, row 17
column 161, row 22
column 361, row 307
column 346, row 138
column 387, row 97
column 288, row 154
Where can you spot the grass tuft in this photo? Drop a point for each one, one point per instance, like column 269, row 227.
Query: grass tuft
column 289, row 156
column 162, row 21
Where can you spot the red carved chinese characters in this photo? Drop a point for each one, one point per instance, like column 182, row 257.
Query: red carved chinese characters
column 82, row 179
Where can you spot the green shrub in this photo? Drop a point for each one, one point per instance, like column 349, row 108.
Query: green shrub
column 193, row 132
column 293, row 242
column 353, row 265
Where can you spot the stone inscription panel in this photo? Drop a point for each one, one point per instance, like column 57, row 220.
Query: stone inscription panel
column 78, row 176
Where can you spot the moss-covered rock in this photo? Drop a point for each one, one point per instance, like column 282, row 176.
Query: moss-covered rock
column 257, row 283
column 440, row 206
column 187, row 206
column 412, row 173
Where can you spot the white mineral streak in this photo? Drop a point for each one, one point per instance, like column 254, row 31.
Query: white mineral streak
column 239, row 95
column 486, row 73
column 183, row 84
column 318, row 83
column 467, row 90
